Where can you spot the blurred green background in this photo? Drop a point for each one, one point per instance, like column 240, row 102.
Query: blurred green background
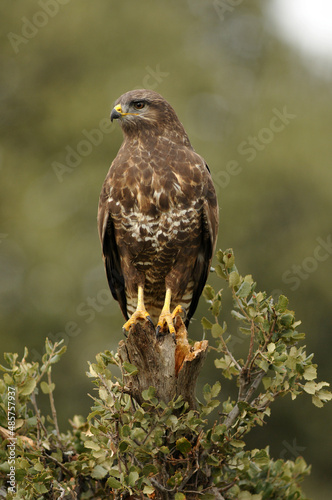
column 229, row 77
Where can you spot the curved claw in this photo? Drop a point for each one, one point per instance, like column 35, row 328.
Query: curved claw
column 158, row 334
column 165, row 323
column 138, row 314
column 150, row 320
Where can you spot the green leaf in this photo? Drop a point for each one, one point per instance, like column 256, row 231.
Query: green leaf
column 215, row 307
column 238, row 315
column 138, row 433
column 129, row 368
column 310, row 387
column 220, row 256
column 287, row 320
column 237, row 443
column 123, row 446
column 310, row 372
column 267, row 381
column 234, row 279
column 317, row 402
column 149, row 470
column 208, row 292
column 179, row 496
column 271, row 347
column 54, row 359
column 98, row 472
column 220, row 273
column 149, row 393
column 148, row 490
column 172, row 421
column 125, row 431
column 212, row 460
column 183, row 445
column 228, row 258
column 215, row 389
column 38, row 466
column 28, row 387
column 47, row 388
column 217, row 330
column 244, row 290
column 10, row 358
column 282, row 303
column 41, row 488
column 92, row 445
column 207, row 325
column 207, row 392
column 114, row 483
column 132, row 478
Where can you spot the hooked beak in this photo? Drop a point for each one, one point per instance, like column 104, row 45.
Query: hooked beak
column 116, row 112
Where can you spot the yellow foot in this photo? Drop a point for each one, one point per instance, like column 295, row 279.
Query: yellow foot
column 138, row 314
column 166, row 321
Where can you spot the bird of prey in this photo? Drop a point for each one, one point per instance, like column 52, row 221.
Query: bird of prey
column 157, row 215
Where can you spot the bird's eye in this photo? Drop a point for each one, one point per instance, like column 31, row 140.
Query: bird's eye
column 139, row 105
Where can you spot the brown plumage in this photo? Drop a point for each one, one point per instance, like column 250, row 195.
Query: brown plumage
column 158, row 214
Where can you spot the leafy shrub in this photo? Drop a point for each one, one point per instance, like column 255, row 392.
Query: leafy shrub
column 158, row 450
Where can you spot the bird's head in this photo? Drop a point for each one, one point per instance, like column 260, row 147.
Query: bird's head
column 146, row 111
column 138, row 108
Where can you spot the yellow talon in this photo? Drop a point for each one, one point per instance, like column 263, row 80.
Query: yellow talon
column 177, row 311
column 140, row 313
column 166, row 318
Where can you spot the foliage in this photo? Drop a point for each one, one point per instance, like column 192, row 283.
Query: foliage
column 160, row 450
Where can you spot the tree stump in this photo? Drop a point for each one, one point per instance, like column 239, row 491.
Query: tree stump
column 168, row 364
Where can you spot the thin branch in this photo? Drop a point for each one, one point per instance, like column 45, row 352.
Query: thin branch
column 254, row 386
column 234, row 413
column 187, row 478
column 47, row 365
column 251, row 346
column 62, row 467
column 154, row 481
column 54, row 414
column 40, row 424
column 228, row 352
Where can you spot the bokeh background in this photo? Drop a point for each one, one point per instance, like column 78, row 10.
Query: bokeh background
column 230, row 69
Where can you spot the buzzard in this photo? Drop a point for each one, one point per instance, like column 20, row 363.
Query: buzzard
column 157, row 215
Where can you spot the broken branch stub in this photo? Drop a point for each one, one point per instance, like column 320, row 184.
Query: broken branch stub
column 169, row 365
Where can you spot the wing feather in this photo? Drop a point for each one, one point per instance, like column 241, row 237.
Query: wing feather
column 209, row 232
column 112, row 260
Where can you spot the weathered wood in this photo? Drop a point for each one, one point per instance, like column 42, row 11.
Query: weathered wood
column 168, row 364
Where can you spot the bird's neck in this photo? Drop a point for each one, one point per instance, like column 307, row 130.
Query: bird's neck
column 151, row 138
